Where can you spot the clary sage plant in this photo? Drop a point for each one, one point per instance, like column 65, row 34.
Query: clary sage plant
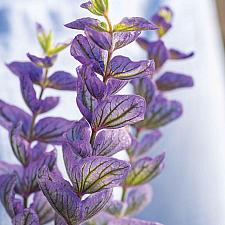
column 34, row 191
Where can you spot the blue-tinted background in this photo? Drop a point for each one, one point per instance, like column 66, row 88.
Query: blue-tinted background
column 191, row 191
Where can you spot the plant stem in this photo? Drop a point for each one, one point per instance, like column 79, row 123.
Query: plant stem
column 25, row 201
column 43, row 86
column 34, row 117
column 110, row 52
column 93, row 135
column 109, row 23
column 124, row 194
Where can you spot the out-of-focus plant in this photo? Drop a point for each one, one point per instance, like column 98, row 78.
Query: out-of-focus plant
column 35, row 192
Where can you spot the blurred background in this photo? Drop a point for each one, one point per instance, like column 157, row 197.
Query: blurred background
column 191, row 190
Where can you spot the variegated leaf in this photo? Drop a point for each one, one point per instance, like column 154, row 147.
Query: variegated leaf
column 27, row 217
column 109, row 142
column 95, row 203
column 134, row 24
column 42, row 207
column 144, row 170
column 137, row 199
column 98, row 173
column 160, row 113
column 85, row 51
column 61, row 197
column 51, row 130
column 118, row 111
column 123, row 68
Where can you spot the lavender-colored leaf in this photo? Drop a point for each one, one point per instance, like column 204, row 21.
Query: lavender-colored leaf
column 121, row 39
column 137, row 199
column 123, row 68
column 82, row 23
column 144, row 170
column 176, row 54
column 19, row 145
column 7, row 193
column 70, row 159
column 27, row 217
column 8, row 168
column 11, row 115
column 113, row 41
column 114, row 85
column 61, row 80
column 82, row 148
column 79, row 131
column 62, row 199
column 145, row 88
column 118, row 111
column 37, row 151
column 101, row 39
column 85, row 51
column 29, row 184
column 26, row 69
column 29, row 95
column 95, row 203
column 85, row 101
column 134, row 24
column 143, row 43
column 95, row 86
column 42, row 207
column 51, row 130
column 101, row 219
column 98, row 173
column 131, row 221
column 161, row 112
column 145, row 144
column 170, row 81
column 109, row 142
column 158, row 52
column 116, row 208
column 45, row 62
column 59, row 220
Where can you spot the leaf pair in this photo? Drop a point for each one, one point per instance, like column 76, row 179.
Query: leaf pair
column 120, row 67
column 107, row 142
column 37, row 106
column 10, row 116
column 67, row 203
column 59, row 80
column 48, row 130
column 158, row 52
column 46, row 41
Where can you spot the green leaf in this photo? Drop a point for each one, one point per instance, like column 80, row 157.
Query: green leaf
column 58, row 48
column 48, row 41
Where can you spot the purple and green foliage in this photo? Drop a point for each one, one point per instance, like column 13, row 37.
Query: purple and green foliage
column 34, row 191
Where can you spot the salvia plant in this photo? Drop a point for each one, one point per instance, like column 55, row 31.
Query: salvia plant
column 34, row 191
